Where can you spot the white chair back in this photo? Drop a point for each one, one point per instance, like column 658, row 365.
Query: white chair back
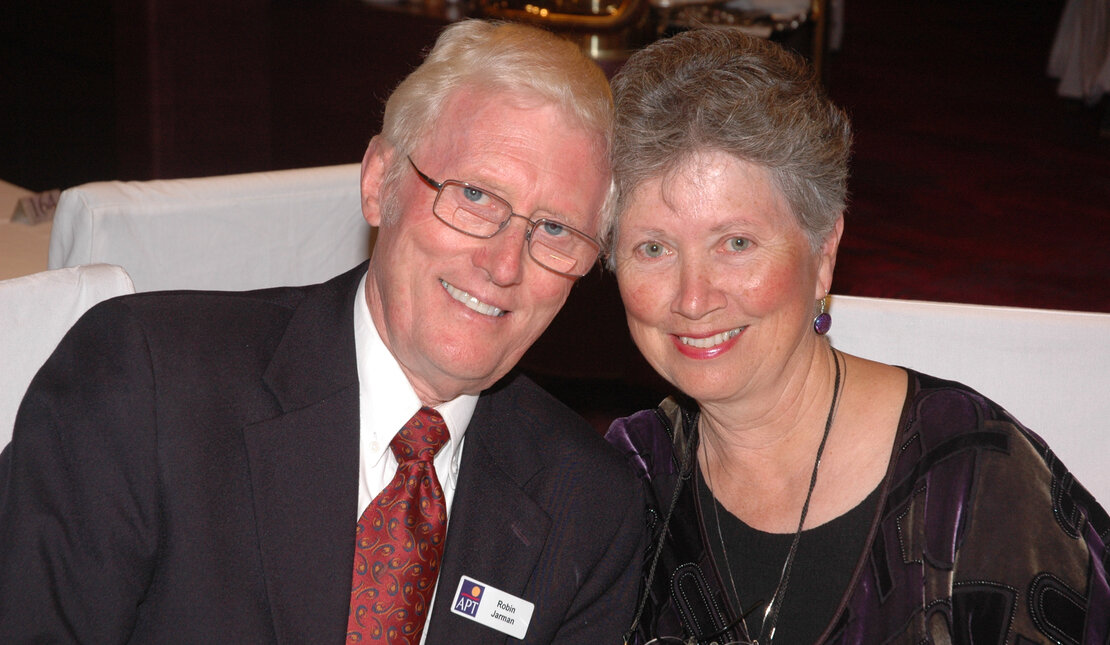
column 1050, row 369
column 234, row 232
column 35, row 312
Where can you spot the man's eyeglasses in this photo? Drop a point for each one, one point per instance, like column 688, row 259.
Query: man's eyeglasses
column 479, row 213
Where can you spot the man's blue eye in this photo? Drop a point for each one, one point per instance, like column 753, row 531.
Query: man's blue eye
column 552, row 228
column 652, row 249
column 473, row 194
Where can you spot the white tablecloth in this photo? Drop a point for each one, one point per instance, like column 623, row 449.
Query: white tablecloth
column 23, row 247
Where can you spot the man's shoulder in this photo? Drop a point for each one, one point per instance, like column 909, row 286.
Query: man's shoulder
column 155, row 303
column 229, row 311
column 518, row 413
column 178, row 321
column 259, row 300
column 518, row 395
column 210, row 327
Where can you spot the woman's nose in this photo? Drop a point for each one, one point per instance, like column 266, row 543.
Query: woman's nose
column 697, row 293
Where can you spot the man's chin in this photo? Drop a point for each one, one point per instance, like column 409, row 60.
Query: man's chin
column 454, row 368
column 456, row 380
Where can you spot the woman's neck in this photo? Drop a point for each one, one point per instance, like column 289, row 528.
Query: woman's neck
column 758, row 452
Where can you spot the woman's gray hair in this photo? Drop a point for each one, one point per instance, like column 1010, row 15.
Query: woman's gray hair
column 721, row 90
column 498, row 58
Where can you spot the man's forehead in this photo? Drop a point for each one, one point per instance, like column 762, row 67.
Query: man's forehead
column 476, row 133
column 467, row 118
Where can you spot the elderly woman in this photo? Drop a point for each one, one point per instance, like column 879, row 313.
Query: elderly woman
column 800, row 494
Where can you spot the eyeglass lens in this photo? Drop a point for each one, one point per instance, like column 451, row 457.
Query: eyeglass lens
column 550, row 243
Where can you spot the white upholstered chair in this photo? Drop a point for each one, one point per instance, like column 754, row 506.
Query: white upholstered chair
column 1050, row 369
column 35, row 312
column 233, row 232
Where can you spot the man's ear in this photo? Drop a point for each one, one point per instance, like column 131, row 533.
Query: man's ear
column 379, row 155
column 827, row 258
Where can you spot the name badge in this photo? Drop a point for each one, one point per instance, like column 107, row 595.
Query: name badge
column 492, row 607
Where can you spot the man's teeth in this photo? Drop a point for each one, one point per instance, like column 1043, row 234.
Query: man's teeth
column 705, row 343
column 471, row 301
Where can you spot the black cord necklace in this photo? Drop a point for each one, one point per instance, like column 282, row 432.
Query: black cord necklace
column 775, row 606
column 685, row 471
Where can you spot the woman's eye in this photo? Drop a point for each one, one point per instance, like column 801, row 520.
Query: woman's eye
column 738, row 243
column 652, row 249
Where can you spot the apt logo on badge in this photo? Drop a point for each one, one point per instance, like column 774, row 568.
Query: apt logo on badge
column 469, row 597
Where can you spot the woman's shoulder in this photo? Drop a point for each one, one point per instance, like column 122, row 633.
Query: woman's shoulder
column 948, row 422
column 647, row 438
column 946, row 415
column 945, row 408
column 999, row 510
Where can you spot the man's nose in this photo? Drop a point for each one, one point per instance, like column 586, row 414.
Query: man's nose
column 503, row 255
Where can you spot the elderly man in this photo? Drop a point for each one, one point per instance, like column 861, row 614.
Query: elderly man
column 280, row 465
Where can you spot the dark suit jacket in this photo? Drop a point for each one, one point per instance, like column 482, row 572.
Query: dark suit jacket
column 184, row 469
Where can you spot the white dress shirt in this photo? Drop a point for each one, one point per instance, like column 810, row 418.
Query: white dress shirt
column 386, row 402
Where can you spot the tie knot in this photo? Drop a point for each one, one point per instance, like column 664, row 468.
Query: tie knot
column 421, row 438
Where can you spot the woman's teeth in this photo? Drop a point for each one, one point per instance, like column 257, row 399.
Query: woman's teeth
column 712, row 341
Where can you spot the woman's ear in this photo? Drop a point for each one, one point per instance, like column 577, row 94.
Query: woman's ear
column 379, row 154
column 826, row 260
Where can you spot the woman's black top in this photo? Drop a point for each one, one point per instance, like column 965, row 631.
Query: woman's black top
column 821, row 572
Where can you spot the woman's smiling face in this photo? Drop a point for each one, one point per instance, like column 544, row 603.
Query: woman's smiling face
column 718, row 277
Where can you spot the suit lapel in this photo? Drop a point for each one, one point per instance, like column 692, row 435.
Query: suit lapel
column 304, row 467
column 496, row 533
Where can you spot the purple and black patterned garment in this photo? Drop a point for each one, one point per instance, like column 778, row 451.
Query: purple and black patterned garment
column 980, row 536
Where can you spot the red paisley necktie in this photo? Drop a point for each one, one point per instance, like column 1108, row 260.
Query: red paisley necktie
column 399, row 540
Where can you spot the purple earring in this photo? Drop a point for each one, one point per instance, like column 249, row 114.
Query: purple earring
column 822, row 322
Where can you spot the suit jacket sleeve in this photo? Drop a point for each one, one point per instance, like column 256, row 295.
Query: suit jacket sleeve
column 78, row 506
column 184, row 470
column 605, row 604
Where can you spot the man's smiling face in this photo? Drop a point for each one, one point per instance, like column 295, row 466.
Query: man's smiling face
column 456, row 311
